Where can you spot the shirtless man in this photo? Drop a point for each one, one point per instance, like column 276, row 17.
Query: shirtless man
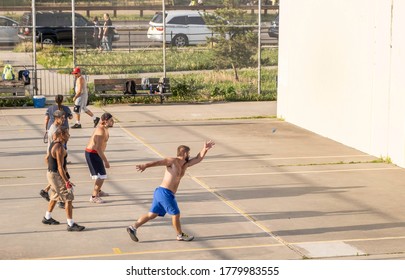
column 95, row 157
column 61, row 187
column 164, row 200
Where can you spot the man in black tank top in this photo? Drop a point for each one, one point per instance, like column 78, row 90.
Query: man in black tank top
column 61, row 187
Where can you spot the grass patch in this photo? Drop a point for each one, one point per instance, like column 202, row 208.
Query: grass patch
column 139, row 61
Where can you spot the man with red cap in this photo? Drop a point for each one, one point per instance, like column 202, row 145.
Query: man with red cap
column 80, row 99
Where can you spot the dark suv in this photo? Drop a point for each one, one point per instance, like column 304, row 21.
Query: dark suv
column 56, row 28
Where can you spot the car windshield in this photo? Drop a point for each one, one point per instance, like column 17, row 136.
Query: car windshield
column 158, row 18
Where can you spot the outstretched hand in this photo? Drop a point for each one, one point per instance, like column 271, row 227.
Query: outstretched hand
column 141, row 167
column 209, row 144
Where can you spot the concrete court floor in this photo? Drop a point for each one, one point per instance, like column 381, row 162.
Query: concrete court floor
column 287, row 195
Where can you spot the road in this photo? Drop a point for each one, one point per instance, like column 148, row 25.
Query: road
column 133, row 35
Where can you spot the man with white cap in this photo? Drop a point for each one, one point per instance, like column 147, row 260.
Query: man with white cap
column 80, row 99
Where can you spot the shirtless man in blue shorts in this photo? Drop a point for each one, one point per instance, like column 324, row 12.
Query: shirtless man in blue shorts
column 164, row 200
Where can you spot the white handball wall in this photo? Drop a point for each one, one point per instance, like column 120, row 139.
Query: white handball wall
column 342, row 72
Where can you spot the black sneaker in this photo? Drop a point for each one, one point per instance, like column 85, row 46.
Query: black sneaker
column 75, row 227
column 61, row 204
column 132, row 233
column 44, row 194
column 96, row 121
column 76, row 125
column 50, row 221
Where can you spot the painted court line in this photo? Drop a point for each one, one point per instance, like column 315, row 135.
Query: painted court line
column 107, row 255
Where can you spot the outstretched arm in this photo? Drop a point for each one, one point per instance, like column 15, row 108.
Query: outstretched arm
column 163, row 162
column 207, row 146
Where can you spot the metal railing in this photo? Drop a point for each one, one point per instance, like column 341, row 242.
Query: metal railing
column 51, row 82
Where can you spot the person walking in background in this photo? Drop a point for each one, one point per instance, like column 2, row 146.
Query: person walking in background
column 97, row 32
column 164, row 200
column 49, row 117
column 95, row 157
column 107, row 33
column 80, row 99
column 61, row 187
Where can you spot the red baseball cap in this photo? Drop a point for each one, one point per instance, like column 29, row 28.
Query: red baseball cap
column 76, row 70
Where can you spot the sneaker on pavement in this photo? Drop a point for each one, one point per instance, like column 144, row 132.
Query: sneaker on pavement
column 50, row 221
column 96, row 199
column 184, row 237
column 96, row 121
column 76, row 125
column 132, row 233
column 61, row 204
column 101, row 193
column 75, row 227
column 44, row 194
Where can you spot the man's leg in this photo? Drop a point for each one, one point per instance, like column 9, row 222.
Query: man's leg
column 142, row 220
column 110, row 42
column 72, row 226
column 95, row 196
column 181, row 236
column 90, row 113
column 77, row 124
column 45, row 192
column 69, row 209
column 176, row 223
column 95, row 119
column 48, row 220
column 97, row 186
column 51, row 205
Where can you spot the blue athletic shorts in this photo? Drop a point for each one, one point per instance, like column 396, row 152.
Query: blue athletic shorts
column 164, row 202
column 96, row 166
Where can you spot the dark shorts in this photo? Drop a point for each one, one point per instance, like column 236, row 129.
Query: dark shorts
column 96, row 165
column 164, row 202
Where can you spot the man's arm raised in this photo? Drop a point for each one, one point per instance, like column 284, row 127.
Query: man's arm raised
column 200, row 156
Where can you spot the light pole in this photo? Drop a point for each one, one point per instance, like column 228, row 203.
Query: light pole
column 34, row 46
column 164, row 38
column 73, row 33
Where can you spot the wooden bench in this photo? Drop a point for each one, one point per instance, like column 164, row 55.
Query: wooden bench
column 115, row 88
column 13, row 89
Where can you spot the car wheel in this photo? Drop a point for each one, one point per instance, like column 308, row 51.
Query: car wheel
column 180, row 40
column 48, row 40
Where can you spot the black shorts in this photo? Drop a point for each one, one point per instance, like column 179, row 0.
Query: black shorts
column 96, row 165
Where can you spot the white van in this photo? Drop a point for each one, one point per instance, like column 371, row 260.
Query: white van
column 183, row 28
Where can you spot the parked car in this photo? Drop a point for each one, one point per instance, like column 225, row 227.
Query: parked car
column 56, row 28
column 273, row 30
column 183, row 28
column 8, row 31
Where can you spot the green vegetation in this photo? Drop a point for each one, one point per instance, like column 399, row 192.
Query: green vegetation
column 212, row 85
column 236, row 44
column 142, row 61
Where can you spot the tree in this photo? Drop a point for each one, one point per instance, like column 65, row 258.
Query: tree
column 234, row 42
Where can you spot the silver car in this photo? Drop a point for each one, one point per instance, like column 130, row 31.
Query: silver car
column 8, row 31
